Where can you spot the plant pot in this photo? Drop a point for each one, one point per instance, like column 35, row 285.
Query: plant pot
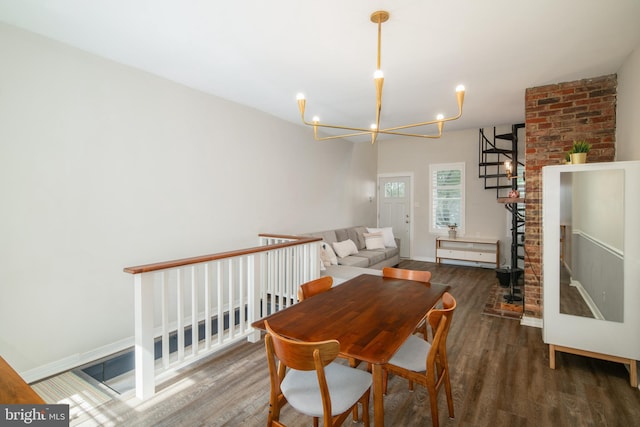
column 578, row 158
column 452, row 234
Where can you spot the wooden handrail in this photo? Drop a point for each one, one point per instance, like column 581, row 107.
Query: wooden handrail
column 297, row 240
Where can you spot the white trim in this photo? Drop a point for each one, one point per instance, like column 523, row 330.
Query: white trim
column 425, row 259
column 604, row 246
column 587, row 299
column 534, row 322
column 73, row 362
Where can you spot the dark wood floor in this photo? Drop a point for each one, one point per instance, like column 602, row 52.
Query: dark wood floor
column 500, row 377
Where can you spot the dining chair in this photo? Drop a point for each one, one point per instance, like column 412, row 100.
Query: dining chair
column 426, row 362
column 418, row 276
column 314, row 287
column 401, row 273
column 309, row 379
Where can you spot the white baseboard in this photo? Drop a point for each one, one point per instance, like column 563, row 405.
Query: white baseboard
column 424, row 259
column 75, row 360
column 531, row 321
column 455, row 262
column 587, row 299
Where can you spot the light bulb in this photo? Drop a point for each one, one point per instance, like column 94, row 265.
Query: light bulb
column 300, row 96
column 315, row 119
column 373, row 126
column 507, row 166
column 460, row 88
column 378, row 74
column 439, row 117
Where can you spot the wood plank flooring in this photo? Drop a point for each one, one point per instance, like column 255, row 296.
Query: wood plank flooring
column 499, row 373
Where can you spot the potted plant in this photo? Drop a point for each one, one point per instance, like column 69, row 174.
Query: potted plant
column 452, row 230
column 579, row 151
column 567, row 157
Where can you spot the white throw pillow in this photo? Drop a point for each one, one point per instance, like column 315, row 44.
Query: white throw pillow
column 374, row 240
column 345, row 248
column 327, row 255
column 387, row 235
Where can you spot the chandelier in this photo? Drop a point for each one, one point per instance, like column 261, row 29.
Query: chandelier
column 378, row 77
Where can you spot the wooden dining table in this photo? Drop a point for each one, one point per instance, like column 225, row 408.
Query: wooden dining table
column 371, row 316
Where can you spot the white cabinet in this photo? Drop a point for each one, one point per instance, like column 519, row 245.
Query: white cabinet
column 591, row 292
column 471, row 249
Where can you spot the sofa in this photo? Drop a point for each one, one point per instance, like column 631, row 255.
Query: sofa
column 368, row 252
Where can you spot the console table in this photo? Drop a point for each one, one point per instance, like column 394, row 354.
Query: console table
column 468, row 249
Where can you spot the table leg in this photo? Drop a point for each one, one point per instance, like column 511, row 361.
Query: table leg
column 378, row 398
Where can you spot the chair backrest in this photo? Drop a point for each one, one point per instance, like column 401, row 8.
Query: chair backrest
column 401, row 273
column 440, row 321
column 449, row 304
column 314, row 287
column 302, row 356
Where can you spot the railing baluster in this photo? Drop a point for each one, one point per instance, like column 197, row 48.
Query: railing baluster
column 220, row 285
column 180, row 314
column 165, row 318
column 207, row 306
column 230, row 305
column 241, row 301
column 194, row 312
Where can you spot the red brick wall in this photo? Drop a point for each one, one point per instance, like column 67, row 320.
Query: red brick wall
column 555, row 116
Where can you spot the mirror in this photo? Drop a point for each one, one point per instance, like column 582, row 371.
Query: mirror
column 592, row 244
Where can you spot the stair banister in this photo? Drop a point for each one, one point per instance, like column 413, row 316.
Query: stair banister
column 239, row 286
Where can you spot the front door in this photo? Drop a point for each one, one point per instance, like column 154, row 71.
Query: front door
column 394, row 209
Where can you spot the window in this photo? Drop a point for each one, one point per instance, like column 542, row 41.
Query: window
column 394, row 189
column 447, row 197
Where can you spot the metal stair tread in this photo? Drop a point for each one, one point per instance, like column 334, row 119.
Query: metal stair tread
column 491, row 163
column 493, row 187
column 505, row 136
column 497, row 151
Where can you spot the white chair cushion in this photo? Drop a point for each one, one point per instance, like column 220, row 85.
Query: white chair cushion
column 346, row 385
column 412, row 354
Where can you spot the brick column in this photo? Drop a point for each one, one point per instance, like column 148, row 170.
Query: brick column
column 556, row 115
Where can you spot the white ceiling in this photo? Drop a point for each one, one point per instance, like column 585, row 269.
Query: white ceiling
column 261, row 53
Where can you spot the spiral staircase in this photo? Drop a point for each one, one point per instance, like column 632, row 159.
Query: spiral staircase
column 494, row 150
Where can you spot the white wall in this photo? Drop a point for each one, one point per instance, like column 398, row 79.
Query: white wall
column 103, row 167
column 628, row 106
column 484, row 216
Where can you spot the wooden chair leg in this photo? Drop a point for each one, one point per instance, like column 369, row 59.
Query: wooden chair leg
column 365, row 409
column 315, row 422
column 447, row 389
column 433, row 400
column 410, row 385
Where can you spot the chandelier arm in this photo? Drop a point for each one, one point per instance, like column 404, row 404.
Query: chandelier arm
column 431, row 122
column 325, row 138
column 361, row 131
column 417, row 135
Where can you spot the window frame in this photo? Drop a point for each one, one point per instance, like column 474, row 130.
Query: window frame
column 433, row 169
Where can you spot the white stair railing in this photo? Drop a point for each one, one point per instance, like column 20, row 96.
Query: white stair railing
column 187, row 309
